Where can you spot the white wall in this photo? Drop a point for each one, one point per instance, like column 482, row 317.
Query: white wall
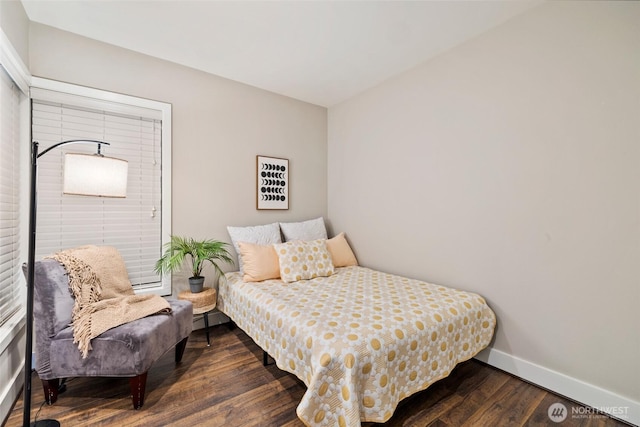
column 510, row 166
column 219, row 126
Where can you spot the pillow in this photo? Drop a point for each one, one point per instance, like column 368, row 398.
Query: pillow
column 302, row 260
column 260, row 262
column 258, row 234
column 312, row 229
column 341, row 253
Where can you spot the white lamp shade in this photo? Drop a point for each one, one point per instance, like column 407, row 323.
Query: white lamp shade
column 95, row 175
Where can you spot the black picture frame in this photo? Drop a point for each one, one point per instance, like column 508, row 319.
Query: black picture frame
column 272, row 183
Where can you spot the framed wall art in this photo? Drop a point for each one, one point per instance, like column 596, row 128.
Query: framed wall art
column 272, row 183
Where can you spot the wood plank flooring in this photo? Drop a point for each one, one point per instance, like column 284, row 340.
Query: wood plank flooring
column 226, row 385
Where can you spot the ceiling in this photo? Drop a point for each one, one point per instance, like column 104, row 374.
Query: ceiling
column 322, row 52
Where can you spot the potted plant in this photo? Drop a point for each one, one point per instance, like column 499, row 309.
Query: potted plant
column 198, row 251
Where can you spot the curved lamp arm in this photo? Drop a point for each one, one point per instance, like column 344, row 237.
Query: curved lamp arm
column 71, row 141
column 31, row 273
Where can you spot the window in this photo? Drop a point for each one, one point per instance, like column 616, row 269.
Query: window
column 9, row 197
column 138, row 131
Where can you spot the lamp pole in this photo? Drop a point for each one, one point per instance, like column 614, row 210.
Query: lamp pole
column 26, row 414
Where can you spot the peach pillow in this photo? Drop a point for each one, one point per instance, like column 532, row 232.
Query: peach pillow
column 341, row 253
column 260, row 262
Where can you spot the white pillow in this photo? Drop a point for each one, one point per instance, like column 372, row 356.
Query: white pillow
column 258, row 235
column 312, row 229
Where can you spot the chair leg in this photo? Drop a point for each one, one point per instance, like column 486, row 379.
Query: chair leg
column 51, row 390
column 180, row 349
column 138, row 385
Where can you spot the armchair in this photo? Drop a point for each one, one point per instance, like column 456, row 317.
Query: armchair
column 128, row 350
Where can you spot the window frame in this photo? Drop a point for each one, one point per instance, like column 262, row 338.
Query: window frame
column 10, row 198
column 10, row 60
column 163, row 287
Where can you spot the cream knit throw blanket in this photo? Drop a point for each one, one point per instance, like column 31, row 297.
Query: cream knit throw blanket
column 104, row 297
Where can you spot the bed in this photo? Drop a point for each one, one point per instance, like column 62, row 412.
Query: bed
column 361, row 340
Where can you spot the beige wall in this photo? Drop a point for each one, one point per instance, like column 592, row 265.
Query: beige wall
column 510, row 166
column 219, row 126
column 15, row 24
column 507, row 166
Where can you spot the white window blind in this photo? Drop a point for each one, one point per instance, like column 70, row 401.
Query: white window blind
column 9, row 196
column 133, row 224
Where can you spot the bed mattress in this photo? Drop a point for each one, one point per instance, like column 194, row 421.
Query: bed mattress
column 361, row 340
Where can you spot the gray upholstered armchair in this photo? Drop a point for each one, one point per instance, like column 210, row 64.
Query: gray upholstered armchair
column 128, row 350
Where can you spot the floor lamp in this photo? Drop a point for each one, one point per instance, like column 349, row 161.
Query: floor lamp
column 84, row 174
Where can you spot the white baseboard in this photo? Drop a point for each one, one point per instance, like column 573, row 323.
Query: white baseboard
column 603, row 400
column 10, row 393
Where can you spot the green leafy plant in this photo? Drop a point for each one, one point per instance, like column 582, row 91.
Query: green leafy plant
column 197, row 251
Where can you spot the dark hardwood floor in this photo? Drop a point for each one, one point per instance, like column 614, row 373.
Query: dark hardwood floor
column 226, row 385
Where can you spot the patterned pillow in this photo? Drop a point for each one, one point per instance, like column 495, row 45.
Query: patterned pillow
column 312, row 229
column 303, row 260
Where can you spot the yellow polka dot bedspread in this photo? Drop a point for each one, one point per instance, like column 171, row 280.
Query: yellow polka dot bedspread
column 361, row 340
